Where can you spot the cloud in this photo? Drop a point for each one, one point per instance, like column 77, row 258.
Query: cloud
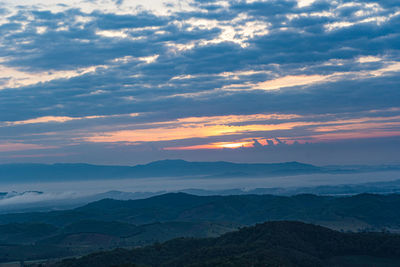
column 74, row 75
column 30, row 197
column 49, row 119
column 10, row 147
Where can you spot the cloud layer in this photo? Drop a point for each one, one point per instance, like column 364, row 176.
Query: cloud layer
column 179, row 77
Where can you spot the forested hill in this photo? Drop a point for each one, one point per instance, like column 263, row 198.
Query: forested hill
column 269, row 244
column 348, row 213
column 108, row 223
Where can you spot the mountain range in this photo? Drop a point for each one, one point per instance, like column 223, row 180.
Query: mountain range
column 352, row 212
column 164, row 168
column 170, row 168
column 40, row 201
column 109, row 223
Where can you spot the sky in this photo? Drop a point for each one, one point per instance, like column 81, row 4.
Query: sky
column 129, row 82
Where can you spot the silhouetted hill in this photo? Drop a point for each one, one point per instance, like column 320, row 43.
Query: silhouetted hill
column 25, row 232
column 32, row 241
column 185, row 168
column 170, row 168
column 354, row 212
column 269, row 244
column 113, row 223
column 164, row 168
column 48, row 203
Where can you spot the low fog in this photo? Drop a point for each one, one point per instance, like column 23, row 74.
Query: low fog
column 73, row 192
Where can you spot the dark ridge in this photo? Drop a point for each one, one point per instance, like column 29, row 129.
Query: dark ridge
column 163, row 168
column 284, row 243
column 355, row 212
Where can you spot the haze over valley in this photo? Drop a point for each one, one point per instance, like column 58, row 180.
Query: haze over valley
column 36, row 186
column 199, row 133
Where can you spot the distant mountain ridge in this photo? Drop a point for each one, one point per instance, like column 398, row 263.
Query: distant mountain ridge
column 23, row 172
column 41, row 201
column 163, row 168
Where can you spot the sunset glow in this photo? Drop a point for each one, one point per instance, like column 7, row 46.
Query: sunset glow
column 171, row 119
column 219, row 145
column 97, row 81
column 205, row 127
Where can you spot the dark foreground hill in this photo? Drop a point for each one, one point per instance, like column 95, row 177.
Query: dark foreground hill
column 269, row 244
column 34, row 241
column 108, row 224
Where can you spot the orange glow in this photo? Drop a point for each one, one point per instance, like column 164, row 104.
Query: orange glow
column 204, row 127
column 248, row 142
column 289, row 81
column 48, row 119
column 354, row 135
column 9, row 147
column 281, row 82
column 235, row 145
column 357, row 126
column 187, row 131
column 20, row 78
column 299, row 80
column 230, row 119
column 197, row 127
column 218, row 145
column 61, row 119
